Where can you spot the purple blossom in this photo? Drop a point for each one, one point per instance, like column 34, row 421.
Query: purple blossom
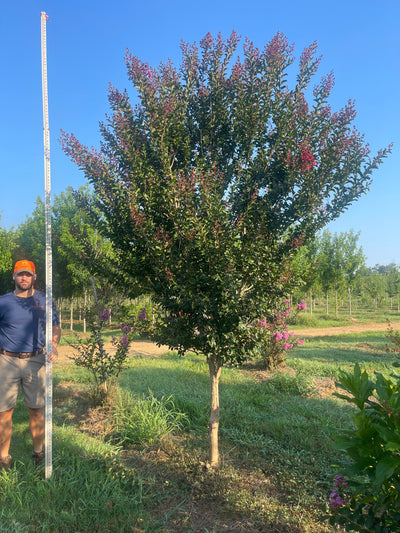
column 143, row 314
column 105, row 315
column 299, row 341
column 340, row 481
column 125, row 328
column 335, row 500
column 278, row 336
column 124, row 341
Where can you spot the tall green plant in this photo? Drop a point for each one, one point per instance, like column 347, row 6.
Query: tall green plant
column 367, row 492
column 210, row 185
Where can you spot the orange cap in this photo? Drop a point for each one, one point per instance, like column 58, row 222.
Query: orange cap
column 24, row 266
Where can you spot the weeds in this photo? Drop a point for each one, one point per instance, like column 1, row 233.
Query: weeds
column 144, row 420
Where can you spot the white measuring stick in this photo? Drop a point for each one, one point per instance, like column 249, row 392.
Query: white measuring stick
column 49, row 267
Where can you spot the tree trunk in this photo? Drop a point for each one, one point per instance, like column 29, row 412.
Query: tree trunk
column 71, row 314
column 327, row 304
column 311, row 302
column 85, row 306
column 336, row 304
column 213, row 424
column 349, row 290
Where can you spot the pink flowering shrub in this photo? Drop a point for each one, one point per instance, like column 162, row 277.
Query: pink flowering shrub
column 276, row 339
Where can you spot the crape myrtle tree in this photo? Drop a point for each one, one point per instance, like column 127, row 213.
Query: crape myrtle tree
column 210, row 184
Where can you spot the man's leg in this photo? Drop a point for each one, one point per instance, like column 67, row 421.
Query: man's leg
column 36, row 427
column 5, row 437
column 5, row 432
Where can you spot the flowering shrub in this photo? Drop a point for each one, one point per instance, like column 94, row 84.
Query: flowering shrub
column 105, row 366
column 369, row 498
column 275, row 338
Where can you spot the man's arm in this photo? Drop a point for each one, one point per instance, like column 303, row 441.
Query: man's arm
column 55, row 340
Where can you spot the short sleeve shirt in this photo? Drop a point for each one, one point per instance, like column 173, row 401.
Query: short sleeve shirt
column 23, row 322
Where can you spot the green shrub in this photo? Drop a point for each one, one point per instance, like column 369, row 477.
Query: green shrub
column 367, row 492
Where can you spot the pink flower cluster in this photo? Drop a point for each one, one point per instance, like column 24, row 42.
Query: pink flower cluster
column 282, row 334
column 307, row 161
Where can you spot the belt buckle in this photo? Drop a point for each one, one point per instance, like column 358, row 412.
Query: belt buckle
column 26, row 355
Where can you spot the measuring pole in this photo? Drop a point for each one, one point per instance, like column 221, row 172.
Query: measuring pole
column 49, row 266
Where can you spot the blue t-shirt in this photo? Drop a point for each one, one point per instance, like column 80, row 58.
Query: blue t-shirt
column 23, row 322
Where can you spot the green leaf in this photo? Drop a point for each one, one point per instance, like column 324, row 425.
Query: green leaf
column 385, row 469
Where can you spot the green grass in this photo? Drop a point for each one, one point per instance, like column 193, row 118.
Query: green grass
column 362, row 315
column 146, row 472
column 89, row 490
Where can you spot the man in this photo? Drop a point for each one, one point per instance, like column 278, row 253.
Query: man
column 22, row 358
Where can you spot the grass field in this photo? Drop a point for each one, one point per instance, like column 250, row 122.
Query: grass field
column 139, row 464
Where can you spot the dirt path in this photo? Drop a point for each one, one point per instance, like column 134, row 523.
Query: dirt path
column 137, row 348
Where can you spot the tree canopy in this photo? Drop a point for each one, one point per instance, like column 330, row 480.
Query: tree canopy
column 211, row 183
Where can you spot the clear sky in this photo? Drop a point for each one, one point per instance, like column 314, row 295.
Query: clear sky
column 86, row 45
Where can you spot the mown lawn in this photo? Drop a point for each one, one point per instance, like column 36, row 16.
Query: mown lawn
column 139, row 464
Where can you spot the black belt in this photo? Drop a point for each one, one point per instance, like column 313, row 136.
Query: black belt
column 22, row 355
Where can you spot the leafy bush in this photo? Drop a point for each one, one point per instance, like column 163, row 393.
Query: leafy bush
column 105, row 366
column 367, row 497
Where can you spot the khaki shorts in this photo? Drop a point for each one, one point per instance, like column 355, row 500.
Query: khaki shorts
column 29, row 374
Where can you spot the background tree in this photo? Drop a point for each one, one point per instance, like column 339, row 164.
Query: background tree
column 7, row 244
column 328, row 272
column 208, row 187
column 353, row 260
column 31, row 242
column 393, row 283
column 339, row 262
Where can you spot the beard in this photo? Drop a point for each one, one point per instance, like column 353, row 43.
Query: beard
column 25, row 286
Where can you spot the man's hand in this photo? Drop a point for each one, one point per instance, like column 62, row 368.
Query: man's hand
column 53, row 355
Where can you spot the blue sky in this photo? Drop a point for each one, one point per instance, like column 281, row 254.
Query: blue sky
column 86, row 44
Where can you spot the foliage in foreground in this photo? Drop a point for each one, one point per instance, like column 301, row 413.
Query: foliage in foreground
column 367, row 492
